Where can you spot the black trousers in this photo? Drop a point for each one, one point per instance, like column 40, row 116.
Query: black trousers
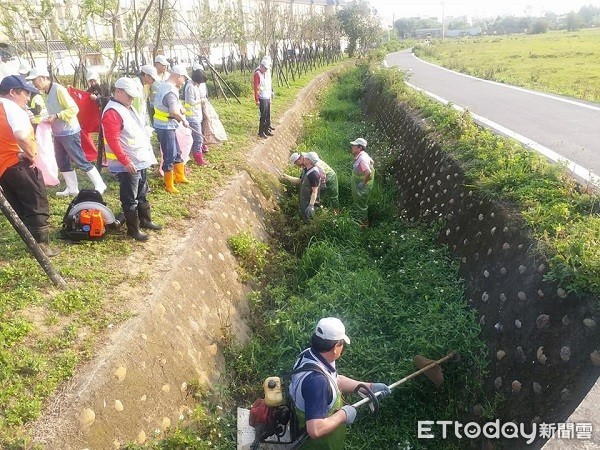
column 133, row 189
column 25, row 191
column 264, row 105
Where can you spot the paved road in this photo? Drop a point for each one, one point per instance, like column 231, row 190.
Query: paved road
column 549, row 123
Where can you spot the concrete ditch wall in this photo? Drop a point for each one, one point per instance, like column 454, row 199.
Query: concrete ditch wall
column 543, row 343
column 136, row 387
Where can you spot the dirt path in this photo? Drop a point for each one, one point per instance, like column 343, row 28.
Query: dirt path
column 136, row 385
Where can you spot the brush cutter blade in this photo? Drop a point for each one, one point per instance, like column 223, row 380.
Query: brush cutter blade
column 434, row 374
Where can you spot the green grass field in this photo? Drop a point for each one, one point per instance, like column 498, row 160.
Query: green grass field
column 46, row 333
column 560, row 62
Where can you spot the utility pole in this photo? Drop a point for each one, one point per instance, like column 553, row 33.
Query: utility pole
column 443, row 21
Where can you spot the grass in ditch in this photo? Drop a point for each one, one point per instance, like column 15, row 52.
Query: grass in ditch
column 46, row 333
column 397, row 292
column 562, row 214
column 560, row 62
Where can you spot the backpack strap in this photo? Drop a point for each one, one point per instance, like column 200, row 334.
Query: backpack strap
column 312, row 367
column 309, row 367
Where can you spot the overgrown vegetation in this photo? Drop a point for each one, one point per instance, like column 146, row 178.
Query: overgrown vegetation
column 397, row 292
column 251, row 254
column 46, row 333
column 562, row 215
column 559, row 62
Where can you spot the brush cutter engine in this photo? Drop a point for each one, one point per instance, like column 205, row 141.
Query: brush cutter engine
column 273, row 417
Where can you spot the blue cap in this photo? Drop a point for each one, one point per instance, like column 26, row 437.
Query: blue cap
column 17, row 82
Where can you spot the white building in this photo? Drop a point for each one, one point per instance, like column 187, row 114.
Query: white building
column 234, row 28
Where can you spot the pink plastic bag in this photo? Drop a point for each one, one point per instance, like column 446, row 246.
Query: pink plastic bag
column 184, row 138
column 45, row 159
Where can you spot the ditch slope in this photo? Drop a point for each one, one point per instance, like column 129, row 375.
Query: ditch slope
column 543, row 342
column 136, row 387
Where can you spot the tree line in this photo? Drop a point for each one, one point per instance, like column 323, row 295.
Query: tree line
column 134, row 31
column 586, row 17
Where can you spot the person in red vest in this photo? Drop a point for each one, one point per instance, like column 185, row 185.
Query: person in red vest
column 263, row 92
column 21, row 181
column 129, row 154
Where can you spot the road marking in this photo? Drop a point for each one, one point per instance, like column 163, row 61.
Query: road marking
column 578, row 170
column 516, row 88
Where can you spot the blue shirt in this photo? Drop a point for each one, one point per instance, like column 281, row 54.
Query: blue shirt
column 317, row 392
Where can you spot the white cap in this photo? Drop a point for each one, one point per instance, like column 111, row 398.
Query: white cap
column 161, row 59
column 359, row 141
column 92, row 75
column 180, row 69
column 332, row 329
column 24, row 68
column 38, row 72
column 312, row 157
column 294, row 157
column 129, row 86
column 198, row 66
column 150, row 70
column 266, row 61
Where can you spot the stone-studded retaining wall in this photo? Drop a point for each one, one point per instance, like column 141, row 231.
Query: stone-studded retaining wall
column 543, row 342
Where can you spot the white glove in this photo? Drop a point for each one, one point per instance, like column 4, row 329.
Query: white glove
column 380, row 387
column 350, row 413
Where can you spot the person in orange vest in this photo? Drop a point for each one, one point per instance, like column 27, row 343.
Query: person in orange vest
column 20, row 179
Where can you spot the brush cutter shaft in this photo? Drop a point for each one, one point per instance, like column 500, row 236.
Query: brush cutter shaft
column 409, row 377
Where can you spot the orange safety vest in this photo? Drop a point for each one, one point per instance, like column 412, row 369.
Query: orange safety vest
column 9, row 148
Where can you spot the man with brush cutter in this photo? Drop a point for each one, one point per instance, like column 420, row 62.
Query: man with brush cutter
column 316, row 388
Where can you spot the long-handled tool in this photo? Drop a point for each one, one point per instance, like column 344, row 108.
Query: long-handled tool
column 430, row 368
column 31, row 243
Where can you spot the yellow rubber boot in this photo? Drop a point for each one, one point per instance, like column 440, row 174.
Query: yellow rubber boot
column 169, row 183
column 179, row 171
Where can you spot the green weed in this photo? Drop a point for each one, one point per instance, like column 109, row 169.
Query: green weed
column 251, row 253
column 561, row 214
column 48, row 341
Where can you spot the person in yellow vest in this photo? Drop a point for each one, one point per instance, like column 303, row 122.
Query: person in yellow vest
column 36, row 104
column 316, row 388
column 144, row 81
column 161, row 64
column 66, row 132
column 168, row 114
column 21, row 181
column 129, row 154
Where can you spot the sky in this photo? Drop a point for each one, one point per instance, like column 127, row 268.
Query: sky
column 475, row 8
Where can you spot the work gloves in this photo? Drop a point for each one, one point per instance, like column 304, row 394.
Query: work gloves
column 350, row 414
column 380, row 387
column 309, row 212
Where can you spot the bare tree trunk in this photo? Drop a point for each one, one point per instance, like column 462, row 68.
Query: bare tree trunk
column 161, row 10
column 136, row 39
